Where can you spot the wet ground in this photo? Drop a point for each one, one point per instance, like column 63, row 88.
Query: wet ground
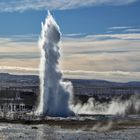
column 45, row 132
column 82, row 128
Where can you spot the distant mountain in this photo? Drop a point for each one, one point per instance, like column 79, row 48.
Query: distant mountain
column 5, row 77
column 133, row 83
column 104, row 83
column 9, row 78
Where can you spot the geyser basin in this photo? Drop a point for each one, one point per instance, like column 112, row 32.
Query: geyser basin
column 55, row 95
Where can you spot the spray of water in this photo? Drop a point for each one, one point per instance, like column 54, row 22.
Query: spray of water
column 55, row 94
column 114, row 107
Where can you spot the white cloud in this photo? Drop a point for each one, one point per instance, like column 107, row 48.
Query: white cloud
column 122, row 36
column 115, row 58
column 22, row 5
column 18, row 68
column 119, row 76
column 134, row 30
column 18, row 43
column 123, row 29
column 119, row 27
column 118, row 73
column 74, row 35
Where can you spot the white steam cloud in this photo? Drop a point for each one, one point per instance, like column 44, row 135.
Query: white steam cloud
column 114, row 107
column 54, row 93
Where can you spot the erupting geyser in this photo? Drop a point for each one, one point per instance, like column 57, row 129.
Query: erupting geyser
column 55, row 94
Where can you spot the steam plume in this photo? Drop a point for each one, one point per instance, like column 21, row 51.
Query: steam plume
column 115, row 107
column 54, row 93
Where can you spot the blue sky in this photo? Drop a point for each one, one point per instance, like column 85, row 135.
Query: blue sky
column 89, row 20
column 101, row 39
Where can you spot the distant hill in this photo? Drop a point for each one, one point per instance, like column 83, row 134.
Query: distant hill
column 83, row 88
column 5, row 77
